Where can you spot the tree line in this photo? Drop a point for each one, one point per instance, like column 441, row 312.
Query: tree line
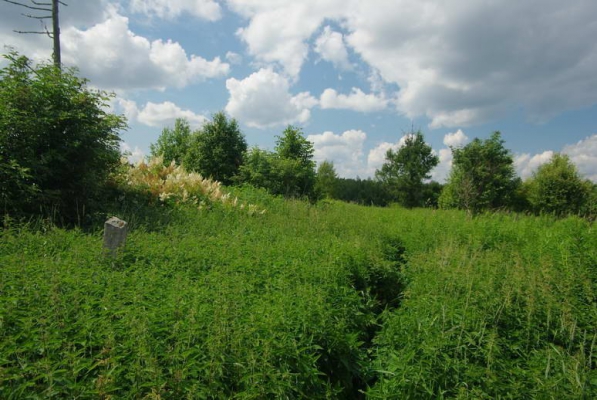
column 59, row 148
column 482, row 178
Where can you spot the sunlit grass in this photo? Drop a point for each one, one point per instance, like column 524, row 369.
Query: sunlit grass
column 307, row 301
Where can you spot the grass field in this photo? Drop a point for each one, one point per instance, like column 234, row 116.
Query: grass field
column 304, row 301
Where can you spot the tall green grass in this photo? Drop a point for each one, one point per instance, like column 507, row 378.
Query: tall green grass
column 305, row 301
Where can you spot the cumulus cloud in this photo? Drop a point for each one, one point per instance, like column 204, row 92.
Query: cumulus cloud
column 278, row 31
column 348, row 152
column 134, row 154
column 525, row 164
column 452, row 139
column 170, row 9
column 330, row 46
column 584, row 155
column 442, row 171
column 377, row 155
column 357, row 100
column 463, row 63
column 113, row 57
column 263, row 100
column 458, row 63
column 158, row 114
column 345, row 151
column 455, row 139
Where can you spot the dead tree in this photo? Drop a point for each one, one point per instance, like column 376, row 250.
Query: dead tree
column 51, row 8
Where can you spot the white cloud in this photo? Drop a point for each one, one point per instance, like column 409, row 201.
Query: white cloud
column 357, row 100
column 278, row 30
column 458, row 63
column 525, row 164
column 263, row 100
column 463, row 63
column 455, row 139
column 159, row 115
column 452, row 139
column 377, row 155
column 170, row 9
column 113, row 57
column 135, row 154
column 234, row 58
column 330, row 46
column 441, row 172
column 584, row 155
column 345, row 151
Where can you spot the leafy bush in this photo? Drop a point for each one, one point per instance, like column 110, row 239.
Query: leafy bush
column 58, row 145
column 557, row 188
column 289, row 171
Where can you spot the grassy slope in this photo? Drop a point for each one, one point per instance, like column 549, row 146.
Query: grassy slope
column 219, row 304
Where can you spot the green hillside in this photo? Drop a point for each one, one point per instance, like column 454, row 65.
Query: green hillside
column 303, row 301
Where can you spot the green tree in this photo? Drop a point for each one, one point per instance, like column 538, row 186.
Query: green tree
column 557, row 188
column 482, row 176
column 58, row 144
column 288, row 171
column 294, row 165
column 368, row 192
column 217, row 150
column 258, row 169
column 406, row 168
column 326, row 179
column 173, row 144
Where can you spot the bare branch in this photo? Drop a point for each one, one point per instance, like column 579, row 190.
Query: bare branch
column 37, row 3
column 25, row 5
column 34, row 17
column 40, row 33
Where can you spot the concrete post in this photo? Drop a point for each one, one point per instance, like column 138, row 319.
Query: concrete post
column 115, row 231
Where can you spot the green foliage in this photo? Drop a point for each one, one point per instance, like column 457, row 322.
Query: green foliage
column 296, row 166
column 501, row 307
column 289, row 171
column 173, row 144
column 557, row 188
column 321, row 301
column 216, row 151
column 58, row 145
column 258, row 170
column 325, row 181
column 367, row 192
column 405, row 169
column 482, row 176
column 432, row 190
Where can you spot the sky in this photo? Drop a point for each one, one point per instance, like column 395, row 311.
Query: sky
column 355, row 75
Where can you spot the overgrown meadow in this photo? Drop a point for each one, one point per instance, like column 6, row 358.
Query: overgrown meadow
column 330, row 300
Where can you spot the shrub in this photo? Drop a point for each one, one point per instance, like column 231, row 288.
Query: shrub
column 557, row 188
column 58, row 145
column 173, row 185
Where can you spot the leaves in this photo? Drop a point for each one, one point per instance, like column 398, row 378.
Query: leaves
column 59, row 143
column 406, row 168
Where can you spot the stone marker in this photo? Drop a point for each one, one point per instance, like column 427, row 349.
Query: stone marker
column 114, row 235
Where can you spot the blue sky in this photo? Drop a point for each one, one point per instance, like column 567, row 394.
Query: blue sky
column 356, row 75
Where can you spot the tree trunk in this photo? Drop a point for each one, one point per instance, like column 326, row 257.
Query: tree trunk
column 56, row 34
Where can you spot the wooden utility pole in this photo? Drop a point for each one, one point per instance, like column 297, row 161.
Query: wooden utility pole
column 51, row 8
